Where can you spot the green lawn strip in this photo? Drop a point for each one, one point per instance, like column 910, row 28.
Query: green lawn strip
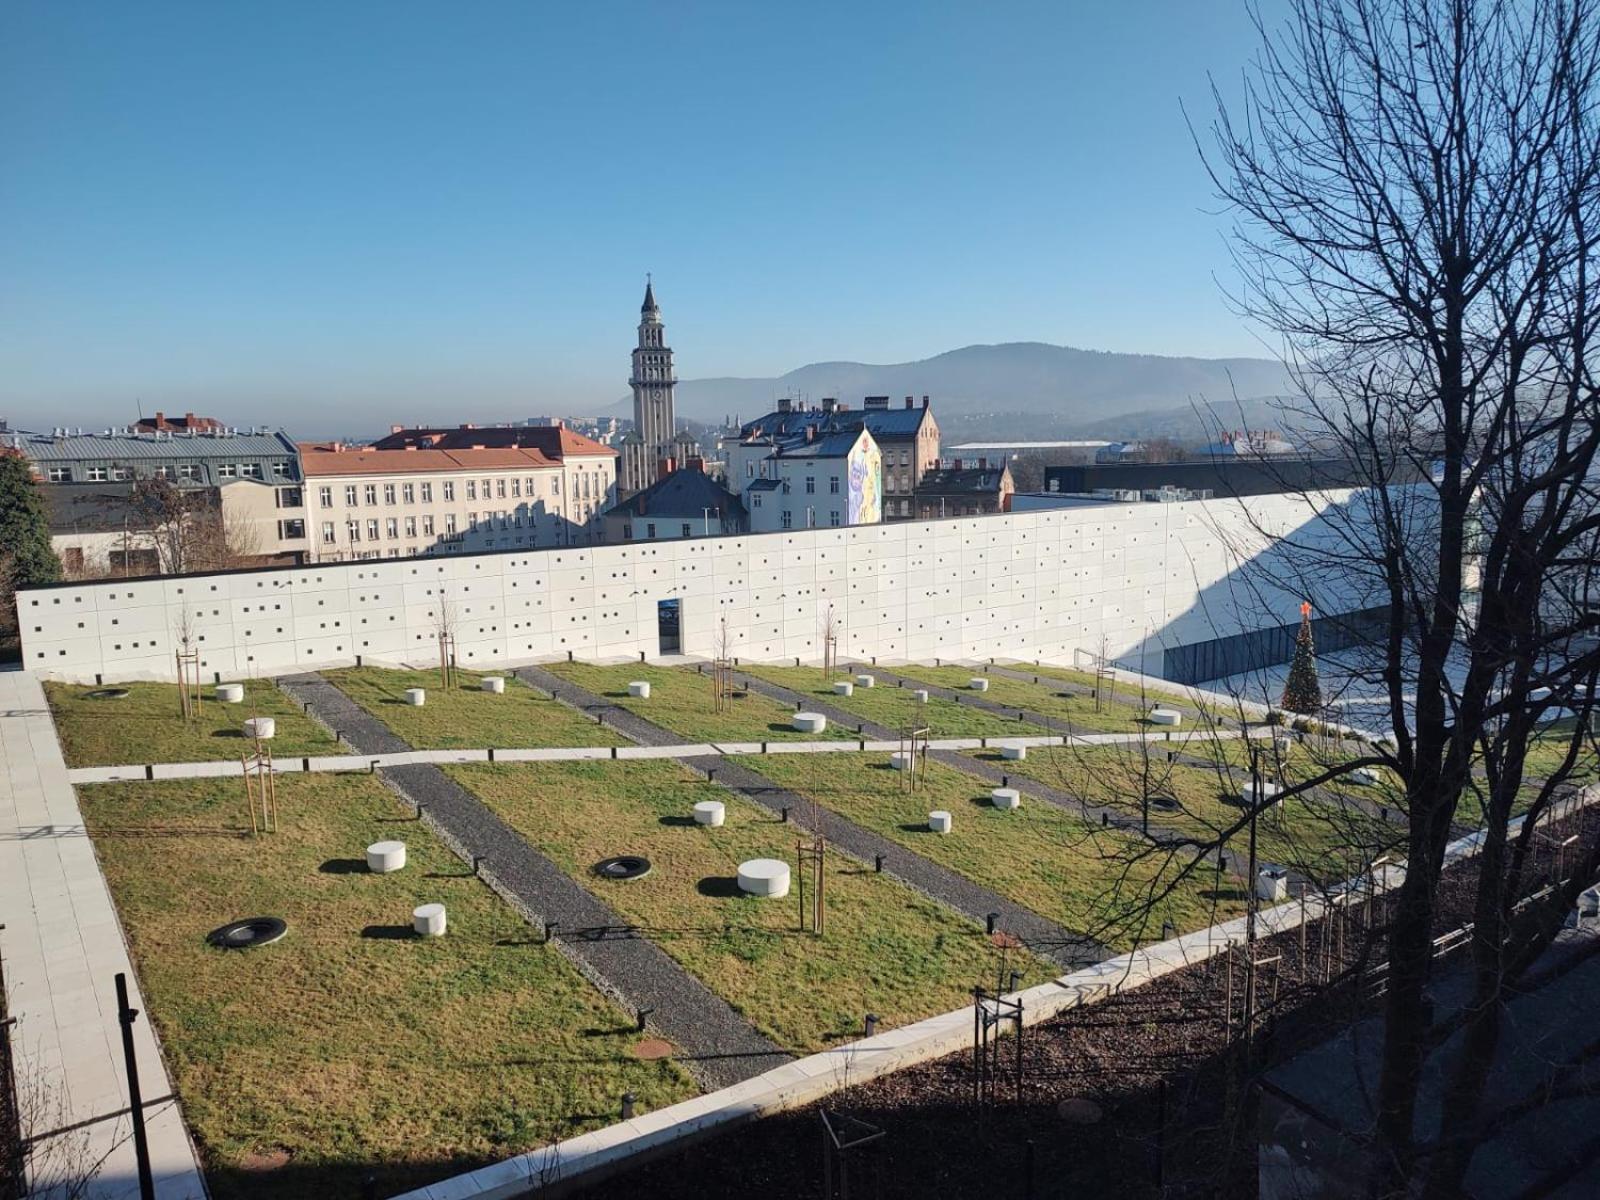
column 1121, row 690
column 684, row 702
column 147, row 725
column 331, row 1053
column 1316, row 836
column 897, row 708
column 1074, row 710
column 466, row 716
column 1042, row 857
column 887, row 950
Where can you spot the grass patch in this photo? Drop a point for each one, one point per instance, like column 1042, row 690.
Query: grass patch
column 1041, row 856
column 331, row 1053
column 897, row 708
column 147, row 726
column 1063, row 708
column 1320, row 836
column 888, row 950
column 682, row 701
column 466, row 716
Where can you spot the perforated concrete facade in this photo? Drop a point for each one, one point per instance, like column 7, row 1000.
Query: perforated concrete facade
column 1132, row 578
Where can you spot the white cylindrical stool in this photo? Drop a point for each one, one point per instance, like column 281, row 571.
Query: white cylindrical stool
column 1165, row 716
column 978, row 684
column 810, row 722
column 384, row 857
column 230, row 693
column 416, row 697
column 866, row 681
column 1364, row 775
column 1255, row 793
column 922, row 695
column 1013, row 753
column 428, row 920
column 710, row 812
column 902, row 760
column 639, row 689
column 1272, row 884
column 260, row 727
column 939, row 821
column 844, row 688
column 494, row 683
column 764, row 877
column 1006, row 797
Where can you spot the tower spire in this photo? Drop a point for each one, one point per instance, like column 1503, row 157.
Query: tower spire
column 649, row 304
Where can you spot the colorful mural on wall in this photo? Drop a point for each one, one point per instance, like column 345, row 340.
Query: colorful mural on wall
column 864, row 472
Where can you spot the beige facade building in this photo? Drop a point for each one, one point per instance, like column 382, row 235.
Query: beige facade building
column 409, row 495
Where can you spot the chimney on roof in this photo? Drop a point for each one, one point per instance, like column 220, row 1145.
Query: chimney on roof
column 811, row 433
column 160, row 416
column 910, row 400
column 785, row 404
column 924, row 402
column 188, row 418
column 829, row 403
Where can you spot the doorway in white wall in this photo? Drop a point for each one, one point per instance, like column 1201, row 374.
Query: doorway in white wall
column 668, row 626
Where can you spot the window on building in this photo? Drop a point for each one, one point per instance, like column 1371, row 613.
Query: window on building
column 350, row 495
column 411, row 527
column 251, row 471
column 325, row 497
column 750, row 469
column 391, row 527
column 650, row 529
column 388, row 493
column 472, row 489
column 785, row 487
column 352, row 529
column 371, row 493
column 227, row 471
column 755, row 500
column 499, row 489
column 811, row 485
column 486, row 489
column 505, row 519
column 189, row 471
column 427, row 493
column 516, row 518
column 164, row 473
column 427, row 526
column 290, row 498
column 833, row 517
column 280, row 468
column 294, row 527
column 555, row 485
column 59, row 474
column 450, row 524
column 472, row 520
column 516, row 486
column 788, row 519
column 685, row 532
column 448, row 489
column 372, row 529
column 327, row 533
column 122, row 474
column 97, row 474
column 833, row 485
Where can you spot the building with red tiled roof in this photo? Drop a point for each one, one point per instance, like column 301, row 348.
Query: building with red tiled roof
column 188, row 423
column 449, row 490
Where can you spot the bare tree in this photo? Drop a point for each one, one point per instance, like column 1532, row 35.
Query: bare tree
column 1418, row 202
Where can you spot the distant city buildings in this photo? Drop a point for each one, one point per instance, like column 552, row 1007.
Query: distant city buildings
column 964, row 489
column 682, row 504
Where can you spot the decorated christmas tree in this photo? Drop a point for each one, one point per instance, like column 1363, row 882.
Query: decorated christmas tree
column 1302, row 691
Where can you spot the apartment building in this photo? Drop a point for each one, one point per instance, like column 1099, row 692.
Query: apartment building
column 252, row 476
column 816, row 480
column 907, row 439
column 428, row 491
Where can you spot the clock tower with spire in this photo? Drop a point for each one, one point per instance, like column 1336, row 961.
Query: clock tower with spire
column 652, row 382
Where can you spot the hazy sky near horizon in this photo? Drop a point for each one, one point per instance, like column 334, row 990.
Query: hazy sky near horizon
column 334, row 215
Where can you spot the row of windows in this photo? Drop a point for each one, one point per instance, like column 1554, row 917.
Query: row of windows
column 125, row 474
column 391, row 526
column 588, row 487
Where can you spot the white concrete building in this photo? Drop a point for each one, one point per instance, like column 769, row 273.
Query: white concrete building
column 813, row 481
column 1156, row 586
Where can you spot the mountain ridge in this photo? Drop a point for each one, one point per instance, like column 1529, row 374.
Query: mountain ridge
column 1058, row 386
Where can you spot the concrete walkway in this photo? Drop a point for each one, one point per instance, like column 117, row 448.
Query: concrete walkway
column 716, row 1044
column 974, row 901
column 62, row 948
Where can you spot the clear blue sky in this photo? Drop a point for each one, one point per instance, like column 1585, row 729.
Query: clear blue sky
column 335, row 214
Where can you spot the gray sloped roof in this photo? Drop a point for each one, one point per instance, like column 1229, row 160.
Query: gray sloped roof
column 885, row 424
column 684, row 493
column 43, row 447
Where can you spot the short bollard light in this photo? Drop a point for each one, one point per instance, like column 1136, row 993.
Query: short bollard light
column 643, row 1014
column 991, row 921
column 871, row 1025
column 627, row 1106
column 877, row 863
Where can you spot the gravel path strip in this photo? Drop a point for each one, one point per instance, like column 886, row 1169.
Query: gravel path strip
column 717, row 1045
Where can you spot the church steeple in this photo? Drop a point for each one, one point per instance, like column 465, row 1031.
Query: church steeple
column 652, row 382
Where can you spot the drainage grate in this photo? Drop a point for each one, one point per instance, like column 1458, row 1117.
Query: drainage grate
column 624, row 866
column 252, row 931
column 107, row 694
